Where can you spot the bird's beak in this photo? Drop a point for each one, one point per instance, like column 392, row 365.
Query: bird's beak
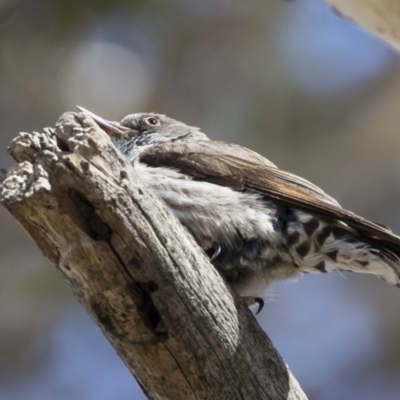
column 111, row 128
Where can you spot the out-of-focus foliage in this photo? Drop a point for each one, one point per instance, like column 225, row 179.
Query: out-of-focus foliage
column 291, row 80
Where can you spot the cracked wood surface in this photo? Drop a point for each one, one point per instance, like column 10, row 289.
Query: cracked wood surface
column 167, row 312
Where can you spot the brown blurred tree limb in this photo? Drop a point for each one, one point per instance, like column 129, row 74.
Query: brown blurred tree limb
column 379, row 17
column 167, row 312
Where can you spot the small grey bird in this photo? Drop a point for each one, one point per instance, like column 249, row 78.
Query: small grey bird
column 258, row 224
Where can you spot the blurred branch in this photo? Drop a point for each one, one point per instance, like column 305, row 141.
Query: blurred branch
column 181, row 332
column 379, row 17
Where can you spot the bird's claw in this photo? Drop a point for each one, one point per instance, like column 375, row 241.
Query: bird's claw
column 260, row 303
column 216, row 251
column 250, row 301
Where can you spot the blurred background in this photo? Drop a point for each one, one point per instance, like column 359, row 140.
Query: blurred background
column 310, row 91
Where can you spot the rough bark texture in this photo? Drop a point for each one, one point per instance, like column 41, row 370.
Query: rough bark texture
column 182, row 333
column 379, row 17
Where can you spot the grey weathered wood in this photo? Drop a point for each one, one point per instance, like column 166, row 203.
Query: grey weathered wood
column 379, row 17
column 181, row 332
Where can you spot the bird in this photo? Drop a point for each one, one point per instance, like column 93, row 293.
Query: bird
column 257, row 223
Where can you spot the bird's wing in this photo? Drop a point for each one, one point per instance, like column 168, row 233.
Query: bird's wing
column 242, row 169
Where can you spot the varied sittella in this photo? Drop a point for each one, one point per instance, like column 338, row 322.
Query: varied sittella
column 258, row 224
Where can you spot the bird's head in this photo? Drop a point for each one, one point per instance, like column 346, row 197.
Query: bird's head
column 137, row 132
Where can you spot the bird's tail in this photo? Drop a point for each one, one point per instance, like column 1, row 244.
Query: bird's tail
column 325, row 246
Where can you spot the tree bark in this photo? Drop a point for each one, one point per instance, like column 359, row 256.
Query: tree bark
column 170, row 316
column 379, row 17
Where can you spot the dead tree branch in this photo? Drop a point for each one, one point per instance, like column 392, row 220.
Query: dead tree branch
column 379, row 17
column 181, row 332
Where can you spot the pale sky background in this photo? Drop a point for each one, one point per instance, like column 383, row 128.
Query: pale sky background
column 310, row 91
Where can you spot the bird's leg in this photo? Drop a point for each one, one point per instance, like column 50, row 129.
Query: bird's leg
column 213, row 252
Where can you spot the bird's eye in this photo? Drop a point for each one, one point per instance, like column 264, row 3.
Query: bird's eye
column 152, row 121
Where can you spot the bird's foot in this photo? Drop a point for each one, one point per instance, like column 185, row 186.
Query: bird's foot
column 250, row 301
